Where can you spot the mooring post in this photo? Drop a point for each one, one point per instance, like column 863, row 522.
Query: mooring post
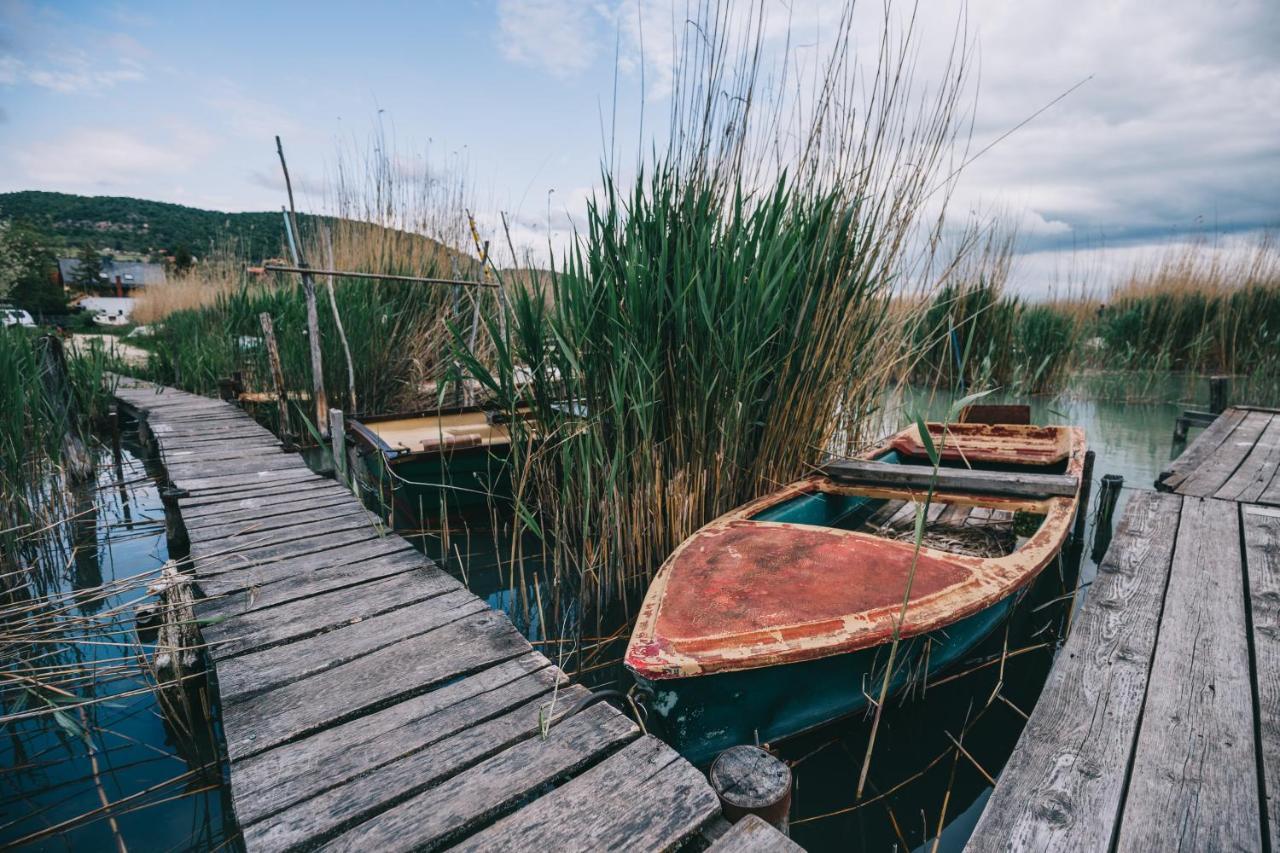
column 1108, row 497
column 1082, row 504
column 1180, row 427
column 749, row 780
column 1219, row 391
column 338, row 440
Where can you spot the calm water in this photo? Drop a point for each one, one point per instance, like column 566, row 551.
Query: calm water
column 171, row 788
column 165, row 784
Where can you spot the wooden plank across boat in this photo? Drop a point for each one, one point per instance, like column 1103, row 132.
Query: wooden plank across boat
column 777, row 616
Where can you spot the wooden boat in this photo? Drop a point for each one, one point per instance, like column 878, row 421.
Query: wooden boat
column 778, row 616
column 427, row 464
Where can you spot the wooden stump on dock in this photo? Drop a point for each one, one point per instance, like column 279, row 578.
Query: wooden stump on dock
column 749, row 781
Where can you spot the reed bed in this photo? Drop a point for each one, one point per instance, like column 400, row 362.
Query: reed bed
column 1174, row 319
column 724, row 315
column 382, row 217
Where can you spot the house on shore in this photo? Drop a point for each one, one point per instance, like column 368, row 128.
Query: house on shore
column 118, row 277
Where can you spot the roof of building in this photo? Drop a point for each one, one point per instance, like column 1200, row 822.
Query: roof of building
column 131, row 273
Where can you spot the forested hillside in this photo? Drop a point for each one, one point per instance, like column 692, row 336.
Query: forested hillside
column 137, row 225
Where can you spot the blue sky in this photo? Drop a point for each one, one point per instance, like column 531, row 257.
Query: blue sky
column 1176, row 133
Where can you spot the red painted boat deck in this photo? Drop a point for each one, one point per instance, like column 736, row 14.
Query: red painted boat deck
column 742, row 593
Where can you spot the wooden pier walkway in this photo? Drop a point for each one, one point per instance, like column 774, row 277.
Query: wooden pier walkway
column 368, row 700
column 1159, row 726
column 1236, row 458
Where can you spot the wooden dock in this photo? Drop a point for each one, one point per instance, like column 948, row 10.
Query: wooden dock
column 368, row 700
column 1236, row 458
column 1159, row 726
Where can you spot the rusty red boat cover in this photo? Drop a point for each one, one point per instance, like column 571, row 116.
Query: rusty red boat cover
column 741, row 593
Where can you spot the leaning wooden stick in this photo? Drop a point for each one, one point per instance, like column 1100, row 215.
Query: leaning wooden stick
column 309, row 289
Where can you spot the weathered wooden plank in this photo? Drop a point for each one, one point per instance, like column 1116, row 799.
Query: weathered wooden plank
column 263, row 628
column 301, row 523
column 216, row 556
column 419, row 788
column 1194, row 784
column 644, row 798
column 1012, row 484
column 266, row 512
column 272, row 781
column 1062, row 786
column 1199, row 450
column 239, row 463
column 260, row 671
column 1271, row 495
column 753, row 835
column 259, row 441
column 1257, row 470
column 200, row 503
column 294, row 587
column 185, row 457
column 344, row 560
column 1262, row 562
column 884, row 514
column 363, row 685
column 1223, row 463
column 437, row 815
column 240, row 482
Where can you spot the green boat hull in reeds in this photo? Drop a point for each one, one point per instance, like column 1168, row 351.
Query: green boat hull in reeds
column 424, row 467
column 780, row 616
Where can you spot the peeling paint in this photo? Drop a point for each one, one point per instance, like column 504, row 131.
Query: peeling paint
column 742, row 593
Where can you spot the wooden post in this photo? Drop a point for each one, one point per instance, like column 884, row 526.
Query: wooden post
column 277, row 375
column 309, row 290
column 1082, row 505
column 338, row 440
column 749, row 780
column 342, row 332
column 1219, row 391
column 1180, row 427
column 1108, row 497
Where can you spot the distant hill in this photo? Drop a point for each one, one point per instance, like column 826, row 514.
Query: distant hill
column 137, row 225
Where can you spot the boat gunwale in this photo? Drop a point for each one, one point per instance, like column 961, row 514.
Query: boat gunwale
column 356, row 427
column 654, row 657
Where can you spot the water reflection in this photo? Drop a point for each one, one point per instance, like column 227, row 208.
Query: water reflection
column 88, row 756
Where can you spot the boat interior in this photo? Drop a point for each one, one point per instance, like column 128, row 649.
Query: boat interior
column 958, row 523
column 440, row 432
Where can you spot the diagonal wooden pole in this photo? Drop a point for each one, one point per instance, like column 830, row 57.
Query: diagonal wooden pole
column 309, row 289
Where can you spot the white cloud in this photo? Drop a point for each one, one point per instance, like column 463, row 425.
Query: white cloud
column 109, row 159
column 556, row 36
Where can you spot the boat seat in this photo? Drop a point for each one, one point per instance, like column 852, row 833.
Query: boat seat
column 1013, row 484
column 451, row 441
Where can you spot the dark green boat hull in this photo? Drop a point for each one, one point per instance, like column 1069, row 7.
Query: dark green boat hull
column 420, row 490
column 703, row 715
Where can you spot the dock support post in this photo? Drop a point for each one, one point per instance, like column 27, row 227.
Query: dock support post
column 1180, row 427
column 1082, row 505
column 1108, row 497
column 749, row 780
column 338, row 441
column 1219, row 391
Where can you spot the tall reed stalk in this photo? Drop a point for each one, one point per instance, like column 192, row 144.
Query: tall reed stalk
column 724, row 314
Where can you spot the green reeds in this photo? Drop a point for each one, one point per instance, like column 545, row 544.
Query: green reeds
column 718, row 323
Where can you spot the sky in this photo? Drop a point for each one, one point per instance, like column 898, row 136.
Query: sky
column 1169, row 131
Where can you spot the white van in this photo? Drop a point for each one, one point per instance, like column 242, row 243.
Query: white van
column 16, row 317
